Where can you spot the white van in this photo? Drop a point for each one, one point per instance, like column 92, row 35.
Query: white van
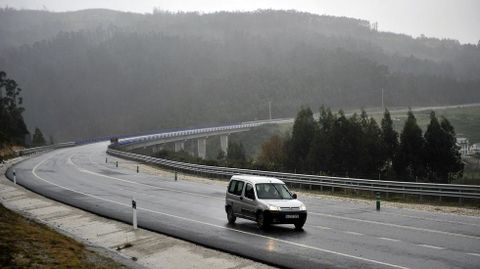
column 265, row 200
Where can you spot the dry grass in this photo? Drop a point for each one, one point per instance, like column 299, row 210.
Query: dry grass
column 27, row 244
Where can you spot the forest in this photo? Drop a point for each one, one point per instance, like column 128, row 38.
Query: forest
column 356, row 146
column 93, row 73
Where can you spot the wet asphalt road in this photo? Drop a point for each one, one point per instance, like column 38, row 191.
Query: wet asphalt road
column 337, row 234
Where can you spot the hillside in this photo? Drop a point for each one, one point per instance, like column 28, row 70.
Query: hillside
column 100, row 72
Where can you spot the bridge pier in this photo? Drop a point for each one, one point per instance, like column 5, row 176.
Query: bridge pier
column 224, row 143
column 157, row 148
column 202, row 147
column 179, row 145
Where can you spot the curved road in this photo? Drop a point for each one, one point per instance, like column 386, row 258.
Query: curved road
column 337, row 234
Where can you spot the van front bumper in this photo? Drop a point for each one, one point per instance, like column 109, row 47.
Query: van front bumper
column 285, row 217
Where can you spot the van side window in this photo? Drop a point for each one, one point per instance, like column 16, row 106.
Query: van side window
column 249, row 192
column 235, row 187
column 231, row 187
column 239, row 188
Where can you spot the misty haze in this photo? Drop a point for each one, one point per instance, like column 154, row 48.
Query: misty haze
column 346, row 142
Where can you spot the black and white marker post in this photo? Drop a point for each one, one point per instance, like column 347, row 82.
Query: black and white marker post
column 134, row 212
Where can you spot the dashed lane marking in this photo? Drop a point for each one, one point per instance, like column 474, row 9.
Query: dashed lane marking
column 389, row 239
column 430, row 246
column 353, row 233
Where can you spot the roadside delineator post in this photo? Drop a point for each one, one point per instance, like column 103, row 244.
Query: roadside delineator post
column 116, row 164
column 14, row 177
column 106, row 160
column 134, row 213
column 378, row 201
column 176, row 177
column 137, row 169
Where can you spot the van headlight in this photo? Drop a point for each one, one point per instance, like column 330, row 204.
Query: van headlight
column 303, row 208
column 273, row 208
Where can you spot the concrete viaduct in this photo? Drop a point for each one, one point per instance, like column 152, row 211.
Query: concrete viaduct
column 156, row 142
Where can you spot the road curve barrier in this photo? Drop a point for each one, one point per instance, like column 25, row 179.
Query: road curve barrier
column 307, row 181
column 29, row 151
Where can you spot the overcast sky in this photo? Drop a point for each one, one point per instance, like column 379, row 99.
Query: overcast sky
column 455, row 19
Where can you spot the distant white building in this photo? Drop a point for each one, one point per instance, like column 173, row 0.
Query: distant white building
column 475, row 149
column 463, row 143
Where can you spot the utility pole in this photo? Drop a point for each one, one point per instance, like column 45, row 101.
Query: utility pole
column 383, row 106
column 270, row 109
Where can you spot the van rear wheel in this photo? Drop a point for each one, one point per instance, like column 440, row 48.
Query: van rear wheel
column 230, row 216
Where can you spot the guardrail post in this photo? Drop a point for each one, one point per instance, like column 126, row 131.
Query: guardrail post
column 134, row 213
column 378, row 201
column 14, row 177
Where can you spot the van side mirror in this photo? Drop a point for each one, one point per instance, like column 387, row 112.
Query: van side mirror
column 294, row 196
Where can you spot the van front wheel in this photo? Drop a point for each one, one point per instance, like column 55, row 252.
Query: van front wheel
column 299, row 225
column 261, row 221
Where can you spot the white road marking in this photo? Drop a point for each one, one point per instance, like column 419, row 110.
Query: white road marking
column 218, row 226
column 353, row 233
column 319, row 227
column 430, row 246
column 474, row 254
column 396, row 225
column 136, row 183
column 389, row 239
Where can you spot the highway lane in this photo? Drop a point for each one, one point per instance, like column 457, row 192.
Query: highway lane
column 337, row 234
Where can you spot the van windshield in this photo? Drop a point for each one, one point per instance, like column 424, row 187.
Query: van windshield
column 272, row 191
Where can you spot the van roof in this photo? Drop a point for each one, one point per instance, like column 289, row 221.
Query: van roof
column 257, row 179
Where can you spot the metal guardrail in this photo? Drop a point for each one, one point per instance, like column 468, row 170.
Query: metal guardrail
column 45, row 148
column 206, row 131
column 422, row 189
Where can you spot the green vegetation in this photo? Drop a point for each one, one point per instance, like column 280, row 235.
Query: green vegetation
column 12, row 126
column 466, row 120
column 26, row 244
column 38, row 139
column 356, row 146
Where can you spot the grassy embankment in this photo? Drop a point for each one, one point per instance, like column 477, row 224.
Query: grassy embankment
column 27, row 244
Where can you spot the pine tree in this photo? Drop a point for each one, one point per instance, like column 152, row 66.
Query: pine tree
column 389, row 143
column 442, row 156
column 302, row 136
column 319, row 157
column 454, row 164
column 409, row 162
column 38, row 139
column 373, row 160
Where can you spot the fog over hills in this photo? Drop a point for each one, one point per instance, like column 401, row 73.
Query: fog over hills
column 100, row 72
